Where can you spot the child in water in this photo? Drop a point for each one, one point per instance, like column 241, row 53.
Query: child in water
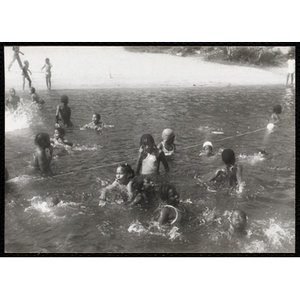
column 172, row 212
column 95, row 124
column 16, row 56
column 232, row 173
column 207, row 149
column 25, row 74
column 43, row 153
column 275, row 116
column 47, row 67
column 123, row 183
column 150, row 157
column 167, row 145
column 58, row 138
column 238, row 223
column 35, row 97
column 63, row 111
column 13, row 100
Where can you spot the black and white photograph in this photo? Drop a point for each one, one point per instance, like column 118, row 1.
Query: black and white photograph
column 150, row 148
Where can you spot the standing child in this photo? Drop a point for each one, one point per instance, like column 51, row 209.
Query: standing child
column 291, row 69
column 58, row 138
column 275, row 116
column 25, row 74
column 35, row 97
column 16, row 56
column 232, row 173
column 167, row 145
column 43, row 153
column 150, row 157
column 47, row 67
column 172, row 212
column 95, row 124
column 63, row 111
column 13, row 100
column 123, row 183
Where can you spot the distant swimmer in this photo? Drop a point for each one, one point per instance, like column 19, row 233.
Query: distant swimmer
column 35, row 97
column 95, row 124
column 291, row 69
column 207, row 149
column 63, row 111
column 16, row 56
column 47, row 67
column 275, row 115
column 25, row 71
column 58, row 138
column 13, row 100
column 43, row 153
column 167, row 145
column 232, row 173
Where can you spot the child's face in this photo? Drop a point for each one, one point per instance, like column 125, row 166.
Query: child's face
column 173, row 197
column 207, row 149
column 171, row 140
column 121, row 176
column 95, row 119
column 238, row 220
column 148, row 147
column 57, row 135
column 12, row 92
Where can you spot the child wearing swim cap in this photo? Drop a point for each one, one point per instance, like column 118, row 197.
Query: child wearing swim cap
column 43, row 153
column 275, row 115
column 167, row 145
column 150, row 157
column 231, row 173
column 238, row 223
column 58, row 138
column 171, row 211
column 122, row 183
column 13, row 100
column 207, row 149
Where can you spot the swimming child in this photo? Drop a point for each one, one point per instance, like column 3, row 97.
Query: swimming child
column 58, row 138
column 63, row 111
column 47, row 67
column 95, row 124
column 171, row 212
column 25, row 74
column 275, row 115
column 167, row 145
column 291, row 69
column 43, row 153
column 238, row 223
column 207, row 149
column 13, row 100
column 150, row 157
column 35, row 97
column 123, row 183
column 232, row 173
column 16, row 56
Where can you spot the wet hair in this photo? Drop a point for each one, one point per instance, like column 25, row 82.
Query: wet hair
column 64, row 99
column 147, row 138
column 42, row 140
column 164, row 191
column 128, row 170
column 167, row 134
column 32, row 90
column 97, row 115
column 228, row 156
column 12, row 90
column 60, row 130
column 277, row 109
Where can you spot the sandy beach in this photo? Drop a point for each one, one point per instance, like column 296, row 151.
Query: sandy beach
column 113, row 67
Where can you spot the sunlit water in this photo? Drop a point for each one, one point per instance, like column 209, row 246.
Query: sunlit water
column 234, row 117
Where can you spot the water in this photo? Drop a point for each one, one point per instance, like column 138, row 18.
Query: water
column 234, row 117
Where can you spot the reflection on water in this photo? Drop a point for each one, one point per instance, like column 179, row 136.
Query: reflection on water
column 234, row 117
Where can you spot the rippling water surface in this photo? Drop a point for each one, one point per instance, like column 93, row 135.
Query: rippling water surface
column 232, row 117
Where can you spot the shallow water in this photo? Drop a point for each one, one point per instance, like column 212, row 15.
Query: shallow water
column 233, row 117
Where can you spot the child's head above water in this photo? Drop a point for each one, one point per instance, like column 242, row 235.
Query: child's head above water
column 238, row 220
column 32, row 90
column 147, row 142
column 59, row 133
column 96, row 118
column 12, row 91
column 64, row 99
column 168, row 135
column 277, row 109
column 208, row 147
column 42, row 140
column 228, row 156
column 169, row 194
column 124, row 173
